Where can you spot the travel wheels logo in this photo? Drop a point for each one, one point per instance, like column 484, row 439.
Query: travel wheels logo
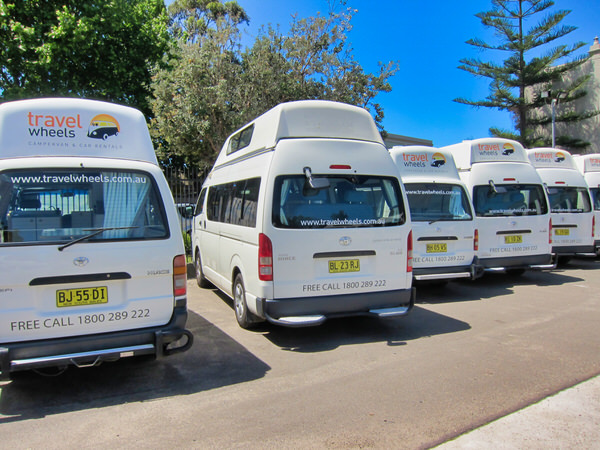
column 508, row 149
column 438, row 160
column 103, row 126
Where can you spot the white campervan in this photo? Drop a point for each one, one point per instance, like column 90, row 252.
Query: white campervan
column 303, row 218
column 589, row 166
column 570, row 202
column 441, row 214
column 92, row 257
column 511, row 206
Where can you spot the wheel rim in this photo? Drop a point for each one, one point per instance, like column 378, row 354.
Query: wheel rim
column 198, row 268
column 238, row 297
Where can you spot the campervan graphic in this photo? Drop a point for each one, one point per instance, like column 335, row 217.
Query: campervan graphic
column 438, row 160
column 102, row 126
column 508, row 149
column 559, row 157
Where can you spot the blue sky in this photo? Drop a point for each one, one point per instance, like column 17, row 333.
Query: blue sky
column 427, row 38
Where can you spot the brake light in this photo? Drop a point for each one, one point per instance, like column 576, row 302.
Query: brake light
column 265, row 258
column 409, row 250
column 510, row 179
column 340, row 166
column 476, row 240
column 179, row 276
column 550, row 232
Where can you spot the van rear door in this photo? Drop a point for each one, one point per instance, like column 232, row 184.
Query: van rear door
column 85, row 249
column 345, row 236
column 512, row 220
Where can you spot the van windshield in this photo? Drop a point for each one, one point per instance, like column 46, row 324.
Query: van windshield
column 348, row 201
column 437, row 201
column 569, row 199
column 509, row 200
column 50, row 205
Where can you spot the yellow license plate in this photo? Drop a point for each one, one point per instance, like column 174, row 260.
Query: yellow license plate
column 344, row 265
column 561, row 231
column 516, row 239
column 437, row 248
column 81, row 296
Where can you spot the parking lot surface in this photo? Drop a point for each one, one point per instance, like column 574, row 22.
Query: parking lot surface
column 469, row 353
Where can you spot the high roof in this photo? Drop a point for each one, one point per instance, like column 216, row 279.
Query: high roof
column 73, row 127
column 300, row 119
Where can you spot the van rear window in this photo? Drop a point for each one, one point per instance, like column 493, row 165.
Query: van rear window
column 509, row 200
column 437, row 201
column 569, row 199
column 347, row 201
column 62, row 205
column 595, row 198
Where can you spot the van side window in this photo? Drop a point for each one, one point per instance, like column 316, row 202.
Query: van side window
column 240, row 140
column 235, row 203
column 213, row 205
column 200, row 203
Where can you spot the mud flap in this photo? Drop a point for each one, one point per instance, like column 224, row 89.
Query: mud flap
column 4, row 364
column 162, row 348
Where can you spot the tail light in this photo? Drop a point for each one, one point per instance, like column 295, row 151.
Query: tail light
column 340, row 166
column 476, row 240
column 265, row 258
column 550, row 232
column 409, row 250
column 179, row 276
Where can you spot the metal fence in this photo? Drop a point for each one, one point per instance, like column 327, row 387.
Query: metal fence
column 185, row 186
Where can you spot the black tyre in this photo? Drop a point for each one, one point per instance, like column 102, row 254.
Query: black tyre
column 200, row 278
column 564, row 260
column 515, row 272
column 244, row 317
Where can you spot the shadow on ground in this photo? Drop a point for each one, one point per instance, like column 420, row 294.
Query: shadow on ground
column 215, row 360
column 346, row 331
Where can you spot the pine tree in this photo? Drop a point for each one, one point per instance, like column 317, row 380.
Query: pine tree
column 517, row 83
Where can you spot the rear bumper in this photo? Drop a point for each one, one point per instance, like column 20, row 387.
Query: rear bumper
column 472, row 271
column 573, row 249
column 534, row 262
column 308, row 311
column 88, row 350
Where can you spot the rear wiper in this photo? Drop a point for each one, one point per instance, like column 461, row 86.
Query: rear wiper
column 91, row 235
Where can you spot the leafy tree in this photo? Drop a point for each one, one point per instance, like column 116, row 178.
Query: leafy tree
column 97, row 49
column 192, row 20
column 518, row 81
column 195, row 105
column 214, row 87
column 314, row 61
